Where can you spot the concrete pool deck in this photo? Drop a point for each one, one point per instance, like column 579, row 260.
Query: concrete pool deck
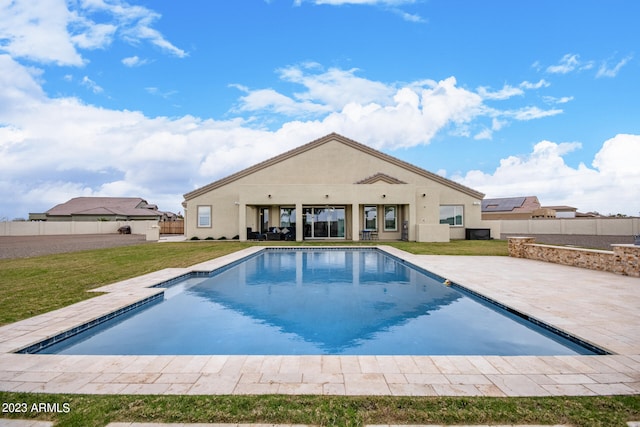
column 601, row 308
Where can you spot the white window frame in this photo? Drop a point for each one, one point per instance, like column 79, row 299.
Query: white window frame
column 389, row 208
column 204, row 216
column 371, row 208
column 458, row 211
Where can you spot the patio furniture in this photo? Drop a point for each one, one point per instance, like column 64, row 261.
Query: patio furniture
column 254, row 235
column 284, row 233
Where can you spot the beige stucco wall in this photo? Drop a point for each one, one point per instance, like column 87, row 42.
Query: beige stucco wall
column 586, row 226
column 326, row 176
column 45, row 228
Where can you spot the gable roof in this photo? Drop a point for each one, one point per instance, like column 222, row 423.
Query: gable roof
column 346, row 141
column 125, row 206
column 380, row 177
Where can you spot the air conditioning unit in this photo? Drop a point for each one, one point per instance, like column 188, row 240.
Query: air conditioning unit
column 478, row 234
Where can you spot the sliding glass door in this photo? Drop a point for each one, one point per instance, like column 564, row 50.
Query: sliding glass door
column 325, row 222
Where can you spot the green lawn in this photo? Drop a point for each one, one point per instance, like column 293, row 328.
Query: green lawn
column 97, row 410
column 36, row 285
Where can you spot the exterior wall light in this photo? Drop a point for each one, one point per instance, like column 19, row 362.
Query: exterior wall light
column 424, row 194
column 269, row 196
column 384, row 195
column 326, row 196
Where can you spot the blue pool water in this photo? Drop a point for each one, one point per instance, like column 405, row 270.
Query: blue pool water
column 317, row 302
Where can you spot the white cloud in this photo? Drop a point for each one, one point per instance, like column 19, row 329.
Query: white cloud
column 409, row 17
column 358, row 106
column 618, row 159
column 568, row 63
column 554, row 100
column 367, row 2
column 37, row 30
column 60, row 147
column 606, row 71
column 611, row 186
column 268, row 100
column 335, row 87
column 133, row 61
column 90, row 84
column 509, row 91
column 531, row 113
column 483, row 134
column 505, row 93
column 52, row 31
column 389, row 5
column 540, row 84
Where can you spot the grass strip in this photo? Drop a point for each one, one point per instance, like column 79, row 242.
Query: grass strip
column 99, row 410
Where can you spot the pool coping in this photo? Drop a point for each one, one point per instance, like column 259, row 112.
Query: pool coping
column 617, row 373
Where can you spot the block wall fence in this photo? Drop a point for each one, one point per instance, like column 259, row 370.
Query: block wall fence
column 149, row 228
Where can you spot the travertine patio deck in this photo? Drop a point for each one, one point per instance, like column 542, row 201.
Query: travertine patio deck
column 601, row 308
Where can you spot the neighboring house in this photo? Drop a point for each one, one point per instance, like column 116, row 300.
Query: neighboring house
column 563, row 211
column 513, row 208
column 333, row 188
column 102, row 209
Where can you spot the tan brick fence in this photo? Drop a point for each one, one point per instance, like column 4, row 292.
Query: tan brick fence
column 623, row 259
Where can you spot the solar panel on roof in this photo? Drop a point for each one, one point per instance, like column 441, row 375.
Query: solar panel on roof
column 506, row 204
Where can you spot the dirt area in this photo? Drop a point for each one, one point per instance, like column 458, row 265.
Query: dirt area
column 581, row 240
column 28, row 246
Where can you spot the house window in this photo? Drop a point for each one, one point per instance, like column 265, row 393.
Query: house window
column 371, row 218
column 204, row 216
column 452, row 215
column 390, row 218
column 287, row 217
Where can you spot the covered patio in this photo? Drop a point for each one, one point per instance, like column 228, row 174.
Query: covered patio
column 298, row 221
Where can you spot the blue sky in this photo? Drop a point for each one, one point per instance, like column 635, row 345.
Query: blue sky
column 155, row 98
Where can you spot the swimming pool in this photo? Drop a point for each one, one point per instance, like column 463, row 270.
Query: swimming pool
column 316, row 301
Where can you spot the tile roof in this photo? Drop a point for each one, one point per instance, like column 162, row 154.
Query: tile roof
column 125, row 206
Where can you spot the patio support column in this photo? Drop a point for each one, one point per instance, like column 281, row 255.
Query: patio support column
column 355, row 222
column 299, row 224
column 242, row 222
column 412, row 221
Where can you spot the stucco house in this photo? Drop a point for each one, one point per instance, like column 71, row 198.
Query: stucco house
column 333, row 188
column 524, row 207
column 102, row 209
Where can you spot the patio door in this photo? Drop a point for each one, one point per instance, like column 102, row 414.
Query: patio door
column 327, row 222
column 264, row 220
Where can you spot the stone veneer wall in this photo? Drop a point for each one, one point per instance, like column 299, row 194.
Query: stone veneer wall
column 624, row 259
